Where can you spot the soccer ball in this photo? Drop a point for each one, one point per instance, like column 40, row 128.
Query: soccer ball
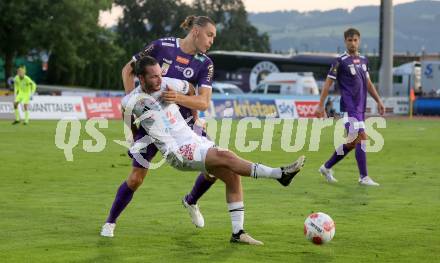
column 319, row 228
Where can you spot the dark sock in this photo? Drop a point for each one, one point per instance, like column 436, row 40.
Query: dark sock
column 338, row 155
column 122, row 199
column 361, row 159
column 200, row 187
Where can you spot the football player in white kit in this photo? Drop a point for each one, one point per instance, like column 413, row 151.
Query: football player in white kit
column 185, row 150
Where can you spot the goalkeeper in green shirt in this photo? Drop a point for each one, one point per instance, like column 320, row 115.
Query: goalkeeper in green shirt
column 24, row 88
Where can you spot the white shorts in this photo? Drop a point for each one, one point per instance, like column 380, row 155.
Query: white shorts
column 354, row 122
column 191, row 156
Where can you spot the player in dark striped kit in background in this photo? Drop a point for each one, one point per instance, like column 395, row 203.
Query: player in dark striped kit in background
column 350, row 70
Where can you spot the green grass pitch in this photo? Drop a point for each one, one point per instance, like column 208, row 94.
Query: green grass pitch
column 51, row 210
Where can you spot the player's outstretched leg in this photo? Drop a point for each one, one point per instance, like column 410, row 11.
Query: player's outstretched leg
column 219, row 158
column 288, row 172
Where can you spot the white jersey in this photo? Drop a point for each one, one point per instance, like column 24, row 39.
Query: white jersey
column 165, row 124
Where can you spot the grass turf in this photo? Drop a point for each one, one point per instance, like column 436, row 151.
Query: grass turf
column 51, row 210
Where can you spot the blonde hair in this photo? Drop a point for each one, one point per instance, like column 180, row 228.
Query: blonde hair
column 201, row 21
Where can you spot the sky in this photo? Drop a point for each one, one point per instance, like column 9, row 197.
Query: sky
column 109, row 18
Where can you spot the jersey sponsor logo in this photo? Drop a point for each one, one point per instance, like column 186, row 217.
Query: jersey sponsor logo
column 179, row 68
column 171, row 117
column 306, row 109
column 356, row 61
column 169, row 61
column 182, row 60
column 166, row 44
column 187, row 151
column 166, row 124
column 210, row 73
column 188, row 73
column 165, row 67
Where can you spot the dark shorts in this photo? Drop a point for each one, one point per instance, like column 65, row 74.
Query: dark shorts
column 354, row 122
column 142, row 158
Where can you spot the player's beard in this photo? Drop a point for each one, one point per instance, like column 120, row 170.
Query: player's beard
column 150, row 87
column 352, row 50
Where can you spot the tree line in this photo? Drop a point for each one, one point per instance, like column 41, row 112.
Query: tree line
column 81, row 53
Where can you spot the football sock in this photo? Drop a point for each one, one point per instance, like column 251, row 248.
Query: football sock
column 17, row 114
column 200, row 187
column 259, row 170
column 338, row 155
column 26, row 116
column 361, row 159
column 236, row 210
column 123, row 197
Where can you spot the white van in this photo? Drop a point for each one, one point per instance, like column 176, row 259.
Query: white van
column 288, row 83
column 225, row 88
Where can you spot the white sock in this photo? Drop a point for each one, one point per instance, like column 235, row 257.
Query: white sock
column 236, row 210
column 262, row 171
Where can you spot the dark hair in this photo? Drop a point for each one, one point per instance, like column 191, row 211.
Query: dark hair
column 140, row 65
column 351, row 32
column 190, row 21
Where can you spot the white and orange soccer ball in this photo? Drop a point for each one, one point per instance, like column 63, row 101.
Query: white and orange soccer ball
column 319, row 228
